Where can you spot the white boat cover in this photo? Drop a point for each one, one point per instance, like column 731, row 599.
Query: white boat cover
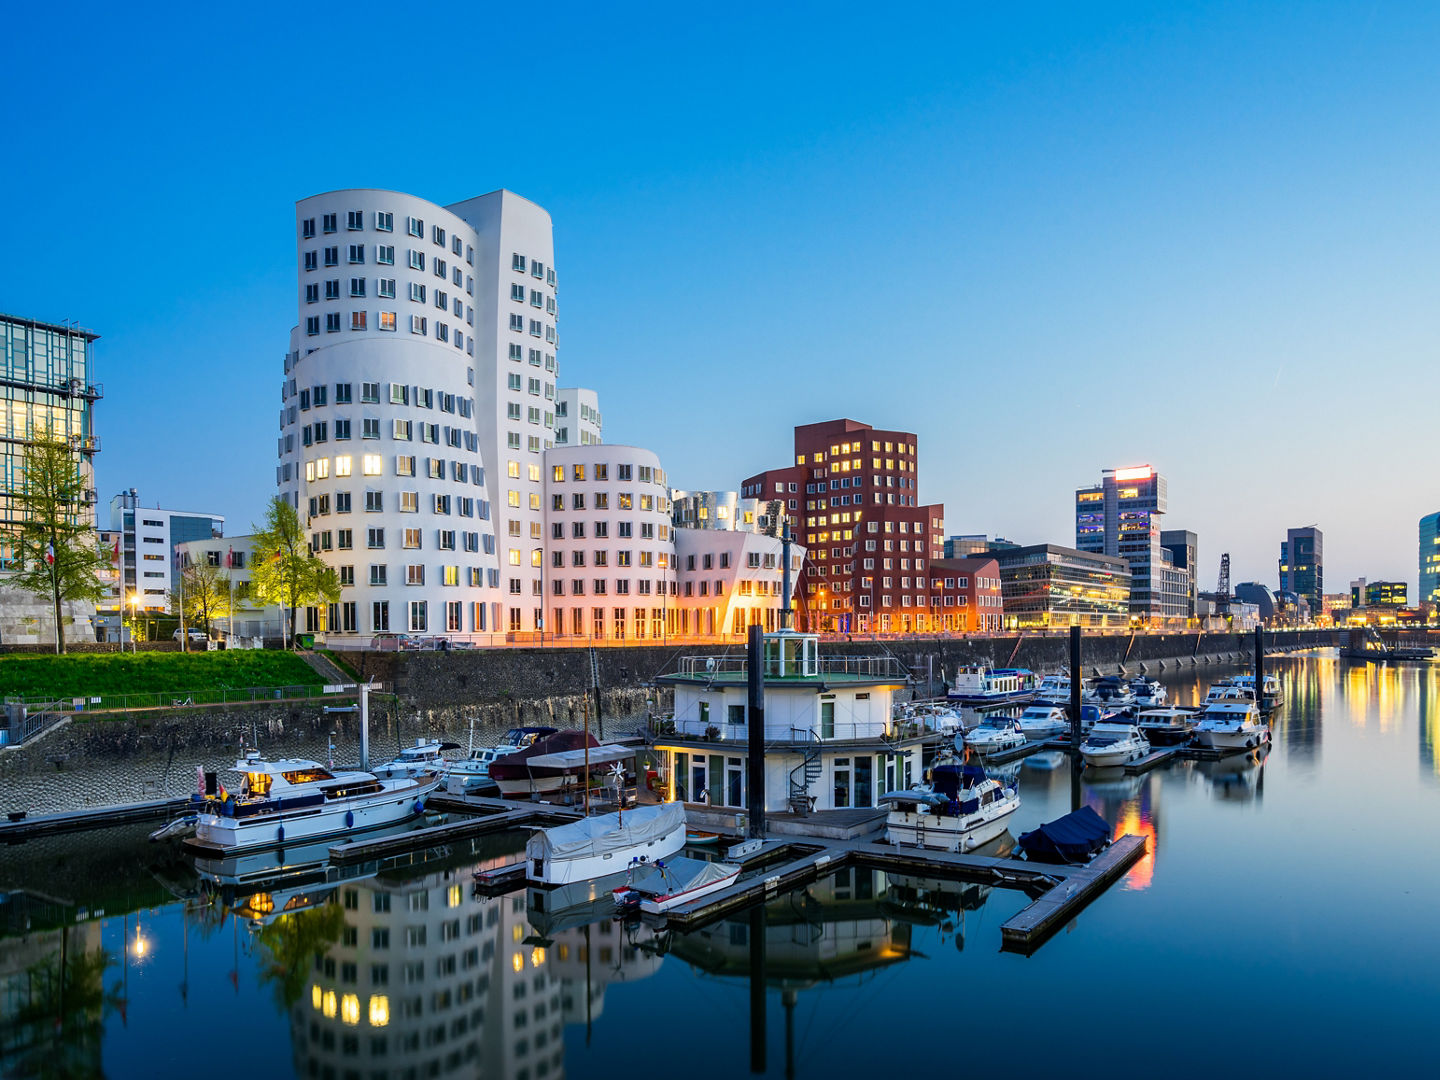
column 679, row 875
column 575, row 759
column 606, row 833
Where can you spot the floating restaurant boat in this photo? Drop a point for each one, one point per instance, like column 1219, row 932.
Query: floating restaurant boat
column 604, row 844
column 960, row 809
column 293, row 800
column 472, row 772
column 979, row 686
column 672, row 882
column 993, row 735
column 1114, row 744
column 1231, row 725
column 1042, row 721
column 1167, row 726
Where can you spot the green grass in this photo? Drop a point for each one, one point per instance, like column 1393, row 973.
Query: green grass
column 113, row 674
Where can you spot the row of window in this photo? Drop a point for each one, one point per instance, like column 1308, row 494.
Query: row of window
column 385, row 290
column 422, row 397
column 538, row 269
column 519, row 353
column 600, row 472
column 387, row 321
column 536, row 327
column 372, row 465
column 410, row 539
column 384, row 221
column 407, row 502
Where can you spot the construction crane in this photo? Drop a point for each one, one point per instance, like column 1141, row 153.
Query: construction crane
column 1222, row 590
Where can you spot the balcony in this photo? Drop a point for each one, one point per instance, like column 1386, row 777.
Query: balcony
column 831, row 670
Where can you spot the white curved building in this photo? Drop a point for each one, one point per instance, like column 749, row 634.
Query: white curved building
column 577, row 417
column 417, row 405
column 611, row 565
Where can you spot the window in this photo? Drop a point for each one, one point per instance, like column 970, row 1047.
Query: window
column 307, row 229
column 517, row 262
column 414, row 574
column 374, row 538
column 417, row 293
column 374, row 502
column 370, row 427
column 312, row 293
column 332, row 289
column 357, row 253
column 312, row 260
column 387, row 321
column 384, row 221
column 414, row 226
column 385, row 254
column 357, row 320
column 332, row 322
column 371, row 464
column 332, row 256
column 369, row 392
column 417, row 259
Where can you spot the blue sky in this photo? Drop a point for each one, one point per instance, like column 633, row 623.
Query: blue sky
column 1048, row 239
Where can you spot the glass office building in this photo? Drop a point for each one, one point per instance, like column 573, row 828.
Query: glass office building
column 1430, row 559
column 1046, row 585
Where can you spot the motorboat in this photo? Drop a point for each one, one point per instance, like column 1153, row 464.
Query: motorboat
column 1228, row 691
column 979, row 685
column 1113, row 694
column 472, row 772
column 293, row 800
column 958, row 810
column 513, row 773
column 1272, row 695
column 1227, row 725
column 1166, row 726
column 669, row 883
column 424, row 757
column 1149, row 694
column 993, row 735
column 1055, row 689
column 1075, row 838
column 1114, row 744
column 930, row 716
column 604, row 844
column 1042, row 721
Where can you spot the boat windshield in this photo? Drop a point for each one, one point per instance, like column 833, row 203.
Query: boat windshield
column 307, row 776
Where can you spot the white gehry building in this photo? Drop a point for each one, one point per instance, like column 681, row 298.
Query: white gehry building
column 577, row 417
column 417, row 405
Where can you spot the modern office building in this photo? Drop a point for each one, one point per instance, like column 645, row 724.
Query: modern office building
column 972, row 544
column 1181, row 545
column 1046, row 585
column 1302, row 565
column 1378, row 593
column 577, row 417
column 1429, row 559
column 1121, row 516
column 148, row 537
column 726, row 510
column 418, row 402
column 868, row 537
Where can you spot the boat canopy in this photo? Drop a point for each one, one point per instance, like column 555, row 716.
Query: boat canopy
column 575, row 759
column 1073, row 838
column 606, row 833
column 677, row 875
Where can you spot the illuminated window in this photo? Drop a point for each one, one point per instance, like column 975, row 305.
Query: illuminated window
column 371, row 464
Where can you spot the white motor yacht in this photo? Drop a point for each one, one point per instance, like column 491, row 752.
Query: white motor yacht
column 293, row 800
column 604, row 844
column 994, row 734
column 1231, row 725
column 1114, row 744
column 1149, row 694
column 1167, row 726
column 424, row 757
column 472, row 772
column 1113, row 694
column 1055, row 690
column 1272, row 695
column 960, row 809
column 1042, row 721
column 1228, row 691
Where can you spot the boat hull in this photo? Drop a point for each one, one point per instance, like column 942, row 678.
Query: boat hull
column 994, row 746
column 658, row 905
column 1101, row 759
column 941, row 833
column 1232, row 740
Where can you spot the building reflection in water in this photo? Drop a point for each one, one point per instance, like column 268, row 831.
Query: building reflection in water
column 1428, row 723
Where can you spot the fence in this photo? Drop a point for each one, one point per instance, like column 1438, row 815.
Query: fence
column 172, row 699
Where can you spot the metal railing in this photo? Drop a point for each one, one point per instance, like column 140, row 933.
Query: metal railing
column 731, row 668
column 837, row 733
column 177, row 699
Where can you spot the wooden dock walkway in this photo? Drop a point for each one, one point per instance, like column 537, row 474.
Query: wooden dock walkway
column 1027, row 930
column 91, row 817
column 1152, row 759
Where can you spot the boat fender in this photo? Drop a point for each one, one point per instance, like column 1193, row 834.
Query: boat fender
column 349, row 819
column 419, row 806
column 280, row 835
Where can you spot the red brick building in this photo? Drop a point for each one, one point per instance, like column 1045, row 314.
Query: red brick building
column 965, row 595
column 852, row 500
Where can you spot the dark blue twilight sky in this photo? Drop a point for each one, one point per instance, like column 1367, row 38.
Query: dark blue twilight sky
column 1047, row 238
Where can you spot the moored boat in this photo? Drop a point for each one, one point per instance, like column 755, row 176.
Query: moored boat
column 994, row 734
column 1149, row 694
column 1114, row 744
column 1166, row 726
column 978, row 685
column 604, row 844
column 1042, row 721
column 513, row 774
column 424, row 757
column 1272, row 694
column 472, row 772
column 1227, row 725
column 669, row 883
column 1113, row 694
column 958, row 810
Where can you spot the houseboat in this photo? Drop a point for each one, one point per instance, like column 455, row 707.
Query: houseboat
column 831, row 737
column 979, row 686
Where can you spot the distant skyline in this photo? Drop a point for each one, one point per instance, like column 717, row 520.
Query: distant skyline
column 1049, row 240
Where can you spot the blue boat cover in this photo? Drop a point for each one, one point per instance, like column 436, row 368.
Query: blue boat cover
column 1073, row 838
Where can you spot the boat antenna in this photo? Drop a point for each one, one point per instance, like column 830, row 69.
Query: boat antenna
column 585, row 709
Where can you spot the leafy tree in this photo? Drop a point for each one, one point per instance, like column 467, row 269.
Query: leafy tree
column 285, row 571
column 57, row 548
column 291, row 941
column 206, row 595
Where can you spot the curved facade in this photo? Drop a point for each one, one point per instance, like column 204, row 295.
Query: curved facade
column 417, row 405
column 611, row 563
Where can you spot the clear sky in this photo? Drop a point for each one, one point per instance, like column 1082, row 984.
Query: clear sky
column 1048, row 239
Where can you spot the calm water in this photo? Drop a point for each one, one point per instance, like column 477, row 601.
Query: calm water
column 1287, row 920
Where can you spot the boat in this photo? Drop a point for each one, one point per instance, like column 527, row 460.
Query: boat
column 1114, row 744
column 1042, row 721
column 1271, row 697
column 670, row 883
column 1232, row 724
column 604, row 844
column 1166, row 726
column 1227, row 691
column 514, row 775
column 1075, row 838
column 1055, row 689
column 293, row 800
column 1369, row 645
column 424, row 757
column 1113, row 694
column 978, row 686
column 700, row 838
column 994, row 735
column 472, row 772
column 1149, row 694
column 958, row 810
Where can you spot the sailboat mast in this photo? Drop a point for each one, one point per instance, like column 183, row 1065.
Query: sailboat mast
column 586, row 777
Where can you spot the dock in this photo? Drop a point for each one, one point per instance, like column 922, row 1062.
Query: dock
column 1027, row 930
column 92, row 817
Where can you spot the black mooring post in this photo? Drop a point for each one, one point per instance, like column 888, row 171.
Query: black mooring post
column 755, row 675
column 1260, row 668
column 757, row 988
column 1077, row 681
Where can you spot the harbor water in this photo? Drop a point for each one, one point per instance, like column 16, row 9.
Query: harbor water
column 1283, row 922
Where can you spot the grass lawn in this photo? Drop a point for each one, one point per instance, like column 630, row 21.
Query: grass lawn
column 109, row 674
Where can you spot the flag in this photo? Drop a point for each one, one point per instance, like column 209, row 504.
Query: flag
column 277, row 555
column 115, row 554
column 50, row 554
column 229, row 558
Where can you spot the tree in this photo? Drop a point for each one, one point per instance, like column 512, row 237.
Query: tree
column 206, row 595
column 58, row 549
column 284, row 570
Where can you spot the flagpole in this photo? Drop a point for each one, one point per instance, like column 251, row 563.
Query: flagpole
column 180, row 571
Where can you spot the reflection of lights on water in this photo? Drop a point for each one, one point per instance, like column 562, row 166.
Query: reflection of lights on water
column 379, row 1010
column 1133, row 820
column 315, row 996
column 141, row 945
column 452, row 896
column 517, row 963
